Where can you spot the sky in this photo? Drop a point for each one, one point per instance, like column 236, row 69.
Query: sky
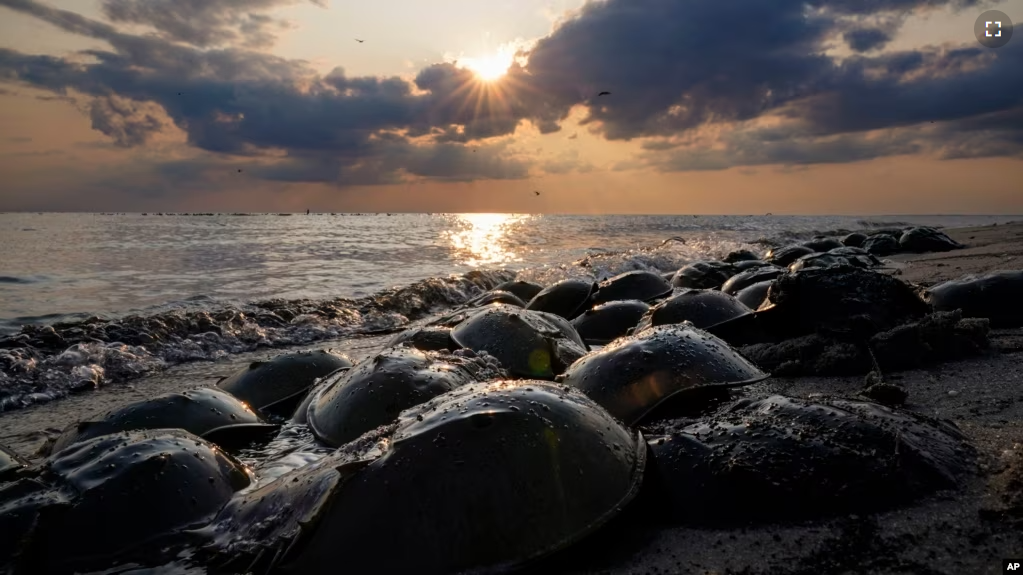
column 713, row 107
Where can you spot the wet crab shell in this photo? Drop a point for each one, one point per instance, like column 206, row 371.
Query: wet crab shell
column 483, row 479
column 834, row 258
column 995, row 295
column 703, row 275
column 822, row 244
column 744, row 279
column 522, row 289
column 377, row 390
column 639, row 285
column 199, row 411
column 425, row 338
column 607, row 322
column 276, row 386
column 633, row 375
column 785, row 255
column 781, row 458
column 753, row 296
column 528, row 344
column 833, row 298
column 924, row 239
column 703, row 308
column 497, row 296
column 567, row 298
column 10, row 463
column 117, row 497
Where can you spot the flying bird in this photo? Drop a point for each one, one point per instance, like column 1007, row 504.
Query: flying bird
column 604, row 94
column 359, row 41
column 536, row 192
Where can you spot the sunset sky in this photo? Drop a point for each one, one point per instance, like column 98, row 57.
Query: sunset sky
column 715, row 106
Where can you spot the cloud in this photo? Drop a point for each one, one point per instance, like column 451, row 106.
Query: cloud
column 764, row 92
column 203, row 23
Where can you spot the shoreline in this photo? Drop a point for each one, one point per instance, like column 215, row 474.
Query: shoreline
column 968, row 531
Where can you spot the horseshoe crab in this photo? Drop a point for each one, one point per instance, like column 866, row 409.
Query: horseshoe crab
column 497, row 296
column 567, row 298
column 854, row 239
column 276, row 386
column 822, row 244
column 373, row 393
column 426, row 338
column 780, row 458
column 881, row 244
column 639, row 285
column 522, row 289
column 528, row 344
column 115, row 497
column 408, row 498
column 607, row 322
column 702, row 308
column 994, row 295
column 785, row 255
column 836, row 257
column 838, row 299
column 753, row 296
column 742, row 280
column 925, row 239
column 737, row 256
column 200, row 411
column 703, row 275
column 633, row 375
column 10, row 463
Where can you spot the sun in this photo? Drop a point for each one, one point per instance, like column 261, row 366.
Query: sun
column 489, row 68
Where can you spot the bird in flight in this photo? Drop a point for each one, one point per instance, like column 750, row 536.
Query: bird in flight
column 359, row 41
column 536, row 192
column 604, row 94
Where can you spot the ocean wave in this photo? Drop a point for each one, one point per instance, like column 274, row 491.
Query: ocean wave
column 42, row 363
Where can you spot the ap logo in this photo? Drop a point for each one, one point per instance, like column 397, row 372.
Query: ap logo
column 1012, row 566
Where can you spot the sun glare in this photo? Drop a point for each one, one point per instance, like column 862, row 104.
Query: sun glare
column 490, row 68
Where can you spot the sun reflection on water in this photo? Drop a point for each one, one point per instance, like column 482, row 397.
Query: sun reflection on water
column 482, row 239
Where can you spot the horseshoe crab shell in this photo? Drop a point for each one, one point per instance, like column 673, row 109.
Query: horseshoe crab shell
column 781, row 458
column 199, row 411
column 425, row 338
column 567, row 298
column 497, row 296
column 994, row 295
column 522, row 289
column 742, row 280
column 822, row 244
column 838, row 299
column 785, row 255
column 527, row 344
column 639, row 285
column 703, row 275
column 607, row 322
column 702, row 308
column 377, row 390
column 117, row 496
column 10, row 463
column 276, row 386
column 485, row 478
column 924, row 239
column 753, row 296
column 633, row 375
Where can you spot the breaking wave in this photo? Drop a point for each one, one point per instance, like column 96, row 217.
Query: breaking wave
column 42, row 363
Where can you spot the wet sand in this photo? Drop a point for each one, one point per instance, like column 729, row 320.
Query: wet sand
column 965, row 532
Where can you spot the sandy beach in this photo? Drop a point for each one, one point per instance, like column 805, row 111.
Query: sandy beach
column 966, row 532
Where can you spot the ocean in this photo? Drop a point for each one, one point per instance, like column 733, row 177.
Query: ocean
column 128, row 294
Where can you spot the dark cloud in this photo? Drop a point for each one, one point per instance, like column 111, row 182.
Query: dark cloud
column 19, row 140
column 128, row 123
column 673, row 75
column 203, row 22
column 867, row 39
